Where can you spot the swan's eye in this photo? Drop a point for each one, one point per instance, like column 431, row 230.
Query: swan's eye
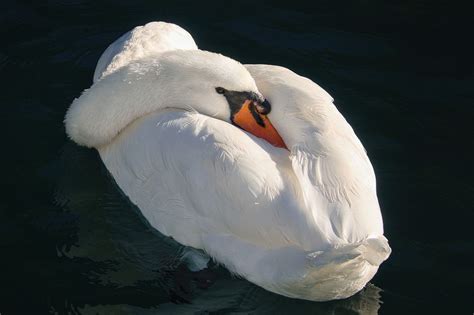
column 220, row 90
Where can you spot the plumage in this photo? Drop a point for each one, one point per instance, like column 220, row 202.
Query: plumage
column 303, row 222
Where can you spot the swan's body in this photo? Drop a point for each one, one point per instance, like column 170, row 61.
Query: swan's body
column 304, row 223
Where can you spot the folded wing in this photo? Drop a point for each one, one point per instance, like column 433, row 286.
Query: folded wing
column 336, row 177
column 192, row 176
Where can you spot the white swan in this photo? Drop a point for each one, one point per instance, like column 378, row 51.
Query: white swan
column 303, row 222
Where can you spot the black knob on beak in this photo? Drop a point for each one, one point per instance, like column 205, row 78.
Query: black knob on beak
column 263, row 108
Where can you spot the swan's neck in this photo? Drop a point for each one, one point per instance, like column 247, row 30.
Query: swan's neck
column 110, row 105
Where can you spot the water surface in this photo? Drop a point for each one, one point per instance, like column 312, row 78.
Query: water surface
column 399, row 72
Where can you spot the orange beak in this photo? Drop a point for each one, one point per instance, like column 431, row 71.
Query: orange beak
column 245, row 120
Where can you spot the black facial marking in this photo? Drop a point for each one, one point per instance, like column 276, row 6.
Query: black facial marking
column 255, row 115
column 264, row 108
column 235, row 99
column 220, row 90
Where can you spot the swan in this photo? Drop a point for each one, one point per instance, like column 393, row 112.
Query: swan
column 252, row 165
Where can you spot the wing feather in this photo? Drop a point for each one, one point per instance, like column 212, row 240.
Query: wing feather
column 328, row 158
column 192, row 175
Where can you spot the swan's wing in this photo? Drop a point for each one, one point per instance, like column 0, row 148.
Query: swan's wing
column 327, row 156
column 212, row 186
column 193, row 176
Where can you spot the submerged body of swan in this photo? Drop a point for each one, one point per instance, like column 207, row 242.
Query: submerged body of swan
column 299, row 217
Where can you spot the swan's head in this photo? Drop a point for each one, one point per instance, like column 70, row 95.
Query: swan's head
column 195, row 80
column 219, row 87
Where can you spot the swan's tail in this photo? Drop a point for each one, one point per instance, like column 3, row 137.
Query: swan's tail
column 335, row 273
column 341, row 271
column 373, row 250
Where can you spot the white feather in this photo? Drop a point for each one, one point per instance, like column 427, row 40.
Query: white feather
column 180, row 78
column 142, row 41
column 304, row 223
column 325, row 152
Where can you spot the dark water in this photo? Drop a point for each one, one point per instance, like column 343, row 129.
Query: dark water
column 401, row 73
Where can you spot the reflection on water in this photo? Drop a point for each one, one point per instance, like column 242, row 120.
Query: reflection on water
column 119, row 250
